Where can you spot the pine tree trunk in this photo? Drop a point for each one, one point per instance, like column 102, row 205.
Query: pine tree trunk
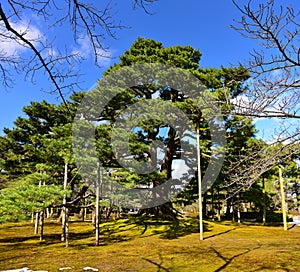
column 59, row 218
column 164, row 211
column 228, row 207
column 108, row 213
column 42, row 214
column 63, row 224
column 166, row 166
column 212, row 204
column 67, row 227
column 233, row 210
column 48, row 213
column 218, row 214
column 220, row 207
column 82, row 214
column 83, row 210
column 36, row 224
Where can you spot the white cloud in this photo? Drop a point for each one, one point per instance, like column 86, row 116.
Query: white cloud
column 241, row 102
column 85, row 50
column 51, row 53
column 269, row 128
column 10, row 46
column 243, row 105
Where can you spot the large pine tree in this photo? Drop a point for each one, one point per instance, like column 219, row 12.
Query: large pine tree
column 222, row 84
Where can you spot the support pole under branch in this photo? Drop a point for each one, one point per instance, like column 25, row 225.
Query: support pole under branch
column 283, row 205
column 199, row 187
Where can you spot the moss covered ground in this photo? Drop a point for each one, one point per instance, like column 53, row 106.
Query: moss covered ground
column 136, row 244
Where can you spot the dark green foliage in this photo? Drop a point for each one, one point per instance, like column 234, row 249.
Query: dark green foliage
column 222, row 84
column 40, row 144
column 32, row 159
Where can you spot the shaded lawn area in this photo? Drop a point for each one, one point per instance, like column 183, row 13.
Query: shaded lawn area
column 137, row 244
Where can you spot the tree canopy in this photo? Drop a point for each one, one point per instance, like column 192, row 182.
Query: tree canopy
column 37, row 152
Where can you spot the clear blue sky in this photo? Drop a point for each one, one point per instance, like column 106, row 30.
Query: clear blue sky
column 205, row 25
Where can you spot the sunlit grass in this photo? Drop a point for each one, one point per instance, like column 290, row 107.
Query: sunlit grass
column 145, row 244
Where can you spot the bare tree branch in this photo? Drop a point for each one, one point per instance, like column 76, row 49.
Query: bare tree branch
column 247, row 169
column 275, row 70
column 36, row 52
column 272, row 91
column 89, row 23
column 143, row 4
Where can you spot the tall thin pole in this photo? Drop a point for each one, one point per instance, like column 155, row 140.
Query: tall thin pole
column 199, row 187
column 264, row 202
column 283, row 205
column 98, row 180
column 65, row 222
column 37, row 216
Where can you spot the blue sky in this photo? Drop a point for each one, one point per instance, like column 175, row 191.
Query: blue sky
column 205, row 25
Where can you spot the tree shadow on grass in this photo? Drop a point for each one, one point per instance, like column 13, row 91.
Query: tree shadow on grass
column 18, row 239
column 292, row 226
column 116, row 232
column 14, row 226
column 24, row 232
column 228, row 261
column 11, row 251
column 111, row 233
column 182, row 228
column 169, row 229
column 219, row 233
column 159, row 266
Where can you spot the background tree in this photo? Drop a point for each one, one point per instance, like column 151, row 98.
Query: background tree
column 273, row 87
column 37, row 150
column 29, row 195
column 24, row 146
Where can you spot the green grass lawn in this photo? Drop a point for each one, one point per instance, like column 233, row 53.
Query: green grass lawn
column 149, row 245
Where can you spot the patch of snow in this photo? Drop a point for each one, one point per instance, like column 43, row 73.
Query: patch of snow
column 90, row 268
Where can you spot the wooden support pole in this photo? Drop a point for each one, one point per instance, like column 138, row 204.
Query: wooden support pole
column 283, row 204
column 64, row 208
column 199, row 187
column 98, row 180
